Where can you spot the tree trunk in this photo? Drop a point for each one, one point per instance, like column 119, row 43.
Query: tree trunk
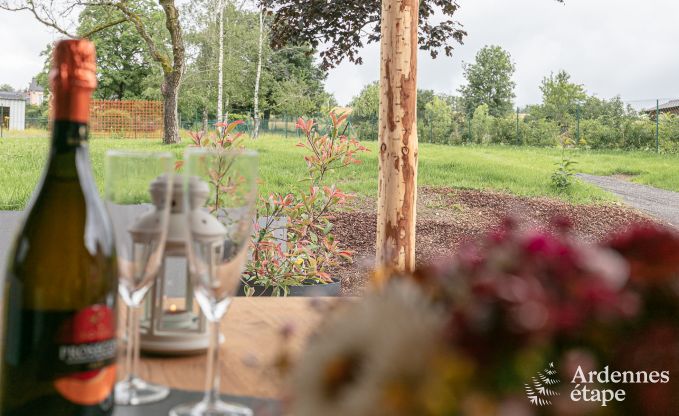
column 172, row 74
column 220, row 62
column 265, row 120
column 226, row 112
column 170, row 90
column 398, row 135
column 204, row 120
column 255, row 131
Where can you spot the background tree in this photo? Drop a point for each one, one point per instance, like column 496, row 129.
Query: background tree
column 438, row 114
column 560, row 98
column 6, row 88
column 169, row 56
column 125, row 70
column 291, row 82
column 202, row 79
column 296, row 64
column 435, row 113
column 482, row 123
column 292, row 98
column 365, row 109
column 611, row 112
column 367, row 103
column 489, row 81
column 199, row 98
column 424, row 97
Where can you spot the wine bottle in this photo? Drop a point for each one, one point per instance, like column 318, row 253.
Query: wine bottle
column 59, row 293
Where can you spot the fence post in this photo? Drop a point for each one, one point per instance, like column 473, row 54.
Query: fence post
column 657, row 126
column 518, row 135
column 2, row 120
column 577, row 123
column 376, row 122
column 450, row 132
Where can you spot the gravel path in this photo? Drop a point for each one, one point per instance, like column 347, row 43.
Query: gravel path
column 659, row 203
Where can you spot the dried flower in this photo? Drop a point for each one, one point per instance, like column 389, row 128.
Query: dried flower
column 370, row 358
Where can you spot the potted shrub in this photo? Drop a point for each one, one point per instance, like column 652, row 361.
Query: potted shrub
column 300, row 264
column 293, row 247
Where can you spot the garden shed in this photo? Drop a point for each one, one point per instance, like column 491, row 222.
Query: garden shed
column 12, row 110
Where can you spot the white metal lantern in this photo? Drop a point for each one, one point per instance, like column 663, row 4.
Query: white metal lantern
column 172, row 323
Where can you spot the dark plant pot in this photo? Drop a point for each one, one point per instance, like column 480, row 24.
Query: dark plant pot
column 310, row 290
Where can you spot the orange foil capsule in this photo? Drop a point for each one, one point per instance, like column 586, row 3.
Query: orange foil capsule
column 73, row 78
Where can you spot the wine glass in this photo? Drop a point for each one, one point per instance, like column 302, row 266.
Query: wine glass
column 223, row 183
column 137, row 191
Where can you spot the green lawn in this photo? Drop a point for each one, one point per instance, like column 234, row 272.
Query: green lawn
column 522, row 171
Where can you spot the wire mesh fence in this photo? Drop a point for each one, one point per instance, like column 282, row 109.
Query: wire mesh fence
column 651, row 125
column 126, row 118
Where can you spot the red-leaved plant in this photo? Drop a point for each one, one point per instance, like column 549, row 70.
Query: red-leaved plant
column 224, row 138
column 309, row 250
column 221, row 182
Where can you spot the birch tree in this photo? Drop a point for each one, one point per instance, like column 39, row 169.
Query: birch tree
column 255, row 131
column 220, row 62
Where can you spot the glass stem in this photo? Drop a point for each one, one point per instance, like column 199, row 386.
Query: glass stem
column 212, row 381
column 132, row 353
column 129, row 346
column 135, row 359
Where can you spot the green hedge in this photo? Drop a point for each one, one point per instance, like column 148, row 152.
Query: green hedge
column 439, row 124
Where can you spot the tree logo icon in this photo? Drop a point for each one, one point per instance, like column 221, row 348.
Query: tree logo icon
column 540, row 390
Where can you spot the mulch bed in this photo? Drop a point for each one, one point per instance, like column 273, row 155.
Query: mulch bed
column 448, row 217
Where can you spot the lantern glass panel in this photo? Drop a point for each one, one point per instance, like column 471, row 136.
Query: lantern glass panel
column 175, row 303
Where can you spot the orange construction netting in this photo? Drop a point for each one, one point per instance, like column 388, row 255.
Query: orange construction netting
column 126, row 119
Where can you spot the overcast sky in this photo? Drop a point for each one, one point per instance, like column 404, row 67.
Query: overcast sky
column 625, row 47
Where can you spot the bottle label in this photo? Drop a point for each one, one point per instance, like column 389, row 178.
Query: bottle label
column 85, row 369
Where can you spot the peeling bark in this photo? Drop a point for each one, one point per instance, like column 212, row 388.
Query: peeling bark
column 398, row 136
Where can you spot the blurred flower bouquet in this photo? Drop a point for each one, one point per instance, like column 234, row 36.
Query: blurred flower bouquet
column 522, row 322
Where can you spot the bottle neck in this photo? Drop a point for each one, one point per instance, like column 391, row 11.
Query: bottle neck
column 67, row 136
column 68, row 149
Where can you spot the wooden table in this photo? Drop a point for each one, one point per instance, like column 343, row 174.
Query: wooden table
column 252, row 331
